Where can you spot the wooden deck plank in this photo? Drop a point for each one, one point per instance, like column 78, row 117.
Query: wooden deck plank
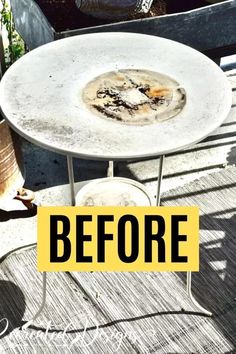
column 231, row 74
column 145, row 307
column 215, row 195
column 136, row 300
column 67, row 305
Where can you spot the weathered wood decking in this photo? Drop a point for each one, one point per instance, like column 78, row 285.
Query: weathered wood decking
column 133, row 312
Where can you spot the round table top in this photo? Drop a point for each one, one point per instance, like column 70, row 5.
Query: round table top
column 41, row 96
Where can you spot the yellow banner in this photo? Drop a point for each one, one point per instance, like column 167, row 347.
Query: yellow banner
column 118, row 239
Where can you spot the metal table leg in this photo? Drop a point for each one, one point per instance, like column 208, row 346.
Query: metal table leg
column 110, row 171
column 30, row 322
column 72, row 191
column 71, row 179
column 189, row 274
column 159, row 180
column 193, row 300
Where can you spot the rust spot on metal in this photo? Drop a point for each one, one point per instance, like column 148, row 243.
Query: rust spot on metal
column 136, row 97
column 120, row 78
column 157, row 92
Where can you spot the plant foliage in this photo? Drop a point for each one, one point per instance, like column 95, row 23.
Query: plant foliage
column 15, row 48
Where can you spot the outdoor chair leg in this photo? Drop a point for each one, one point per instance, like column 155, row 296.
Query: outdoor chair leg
column 194, row 301
column 30, row 322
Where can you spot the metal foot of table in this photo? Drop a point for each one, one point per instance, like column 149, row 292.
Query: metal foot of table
column 43, row 303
